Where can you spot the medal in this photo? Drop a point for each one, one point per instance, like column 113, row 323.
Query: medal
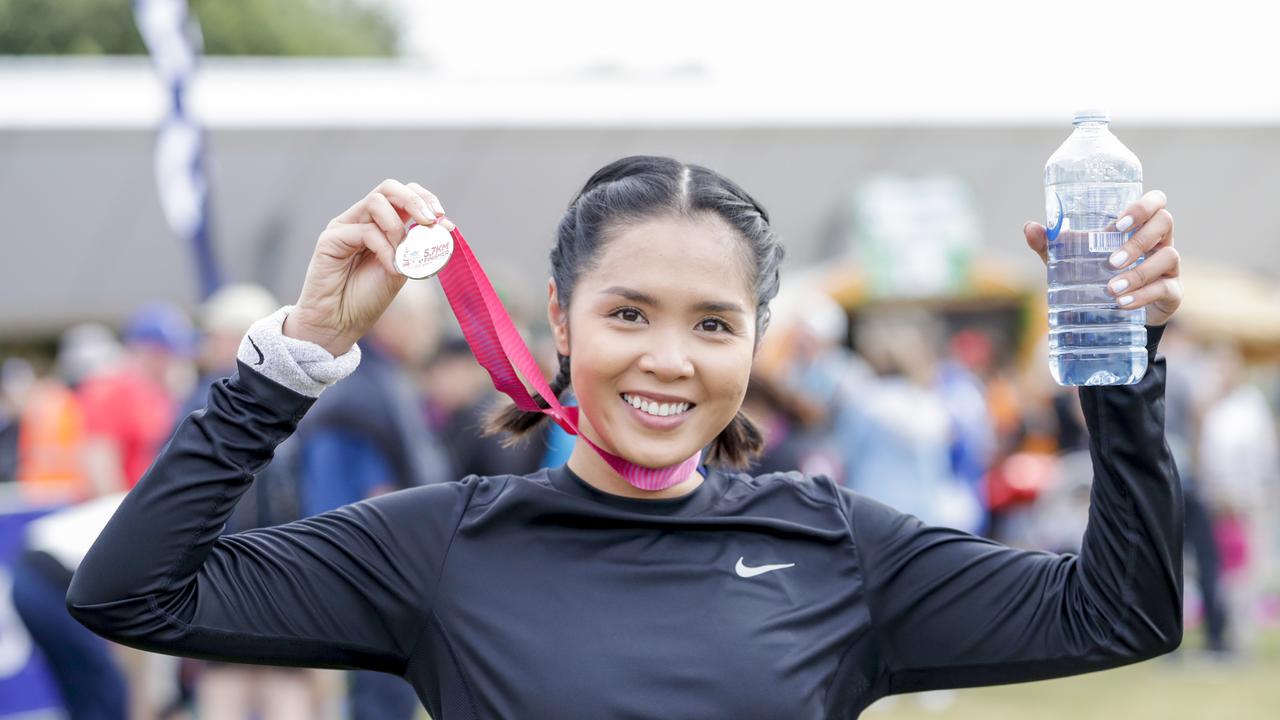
column 425, row 251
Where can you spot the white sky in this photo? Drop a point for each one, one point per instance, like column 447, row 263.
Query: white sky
column 1136, row 58
column 719, row 63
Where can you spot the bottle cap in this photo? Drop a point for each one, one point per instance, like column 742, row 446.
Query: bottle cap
column 1090, row 115
column 424, row 252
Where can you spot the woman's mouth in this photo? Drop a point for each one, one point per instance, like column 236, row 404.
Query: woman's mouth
column 657, row 414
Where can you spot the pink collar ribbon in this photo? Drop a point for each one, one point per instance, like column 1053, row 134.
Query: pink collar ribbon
column 496, row 344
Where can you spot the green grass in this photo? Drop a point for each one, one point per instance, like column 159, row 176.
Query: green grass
column 1177, row 686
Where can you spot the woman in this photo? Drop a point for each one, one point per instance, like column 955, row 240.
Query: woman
column 571, row 592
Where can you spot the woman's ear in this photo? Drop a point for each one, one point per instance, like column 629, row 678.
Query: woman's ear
column 558, row 318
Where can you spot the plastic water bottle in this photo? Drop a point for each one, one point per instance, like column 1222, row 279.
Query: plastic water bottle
column 1088, row 182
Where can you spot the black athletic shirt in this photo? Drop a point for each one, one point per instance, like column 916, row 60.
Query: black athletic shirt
column 538, row 596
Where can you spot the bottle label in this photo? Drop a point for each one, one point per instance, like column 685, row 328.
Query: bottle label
column 1105, row 242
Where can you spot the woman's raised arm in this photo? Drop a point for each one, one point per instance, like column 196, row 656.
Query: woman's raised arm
column 949, row 609
column 347, row 588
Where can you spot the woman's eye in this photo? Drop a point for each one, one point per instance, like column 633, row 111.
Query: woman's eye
column 628, row 315
column 714, row 325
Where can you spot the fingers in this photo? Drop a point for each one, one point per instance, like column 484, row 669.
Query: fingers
column 1146, row 281
column 425, row 194
column 350, row 239
column 434, row 204
column 1154, row 223
column 1037, row 239
column 411, row 202
column 1165, row 292
column 1141, row 210
column 385, row 216
column 408, row 204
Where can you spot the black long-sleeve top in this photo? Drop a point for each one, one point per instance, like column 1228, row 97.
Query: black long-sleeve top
column 539, row 596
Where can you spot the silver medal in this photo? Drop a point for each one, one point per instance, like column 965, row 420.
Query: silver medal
column 424, row 252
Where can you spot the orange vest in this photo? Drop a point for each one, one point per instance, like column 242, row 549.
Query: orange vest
column 51, row 441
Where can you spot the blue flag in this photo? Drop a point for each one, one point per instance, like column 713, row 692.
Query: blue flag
column 173, row 37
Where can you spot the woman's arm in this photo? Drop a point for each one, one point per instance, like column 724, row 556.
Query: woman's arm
column 949, row 609
column 344, row 589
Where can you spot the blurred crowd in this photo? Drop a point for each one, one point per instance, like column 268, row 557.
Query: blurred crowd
column 928, row 415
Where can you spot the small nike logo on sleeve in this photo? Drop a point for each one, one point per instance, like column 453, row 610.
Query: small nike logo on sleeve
column 261, row 359
column 746, row 572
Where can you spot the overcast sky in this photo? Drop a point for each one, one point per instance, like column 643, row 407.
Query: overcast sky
column 1133, row 57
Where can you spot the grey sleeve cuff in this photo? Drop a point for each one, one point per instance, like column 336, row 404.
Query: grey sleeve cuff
column 301, row 366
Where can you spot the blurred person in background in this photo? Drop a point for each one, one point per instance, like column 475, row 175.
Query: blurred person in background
column 223, row 319
column 369, row 436
column 17, row 377
column 1185, row 400
column 1239, row 468
column 897, row 437
column 781, row 417
column 129, row 409
column 826, row 374
column 52, row 436
column 461, row 396
column 1028, row 445
column 973, row 439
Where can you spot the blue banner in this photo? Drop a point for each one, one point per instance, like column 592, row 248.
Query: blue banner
column 25, row 683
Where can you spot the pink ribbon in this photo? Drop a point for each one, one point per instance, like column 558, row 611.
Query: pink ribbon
column 496, row 344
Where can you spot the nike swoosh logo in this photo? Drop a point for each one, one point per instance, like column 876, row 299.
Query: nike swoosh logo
column 744, row 571
column 255, row 347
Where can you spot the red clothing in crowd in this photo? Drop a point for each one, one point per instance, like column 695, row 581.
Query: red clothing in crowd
column 133, row 411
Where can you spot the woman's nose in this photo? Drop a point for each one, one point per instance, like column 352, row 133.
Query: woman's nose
column 666, row 359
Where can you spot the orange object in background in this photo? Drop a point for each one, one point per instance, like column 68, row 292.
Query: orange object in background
column 51, row 439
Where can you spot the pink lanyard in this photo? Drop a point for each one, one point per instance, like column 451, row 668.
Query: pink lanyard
column 496, row 345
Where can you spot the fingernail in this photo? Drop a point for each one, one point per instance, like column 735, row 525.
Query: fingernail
column 437, row 207
column 1124, row 223
column 1118, row 286
column 1118, row 258
column 1125, row 300
column 424, row 210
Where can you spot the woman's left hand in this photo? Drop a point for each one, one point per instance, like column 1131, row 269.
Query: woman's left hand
column 1153, row 283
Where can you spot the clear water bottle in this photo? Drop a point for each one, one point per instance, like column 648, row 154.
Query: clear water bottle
column 1088, row 182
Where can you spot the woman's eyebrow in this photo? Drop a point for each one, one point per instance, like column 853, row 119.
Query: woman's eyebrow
column 646, row 299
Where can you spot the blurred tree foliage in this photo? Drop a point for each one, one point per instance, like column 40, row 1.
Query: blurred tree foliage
column 229, row 27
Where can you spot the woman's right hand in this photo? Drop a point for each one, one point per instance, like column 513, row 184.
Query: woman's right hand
column 352, row 277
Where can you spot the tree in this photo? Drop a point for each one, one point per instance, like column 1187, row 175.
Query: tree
column 229, row 27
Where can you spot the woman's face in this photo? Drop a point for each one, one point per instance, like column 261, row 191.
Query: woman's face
column 666, row 319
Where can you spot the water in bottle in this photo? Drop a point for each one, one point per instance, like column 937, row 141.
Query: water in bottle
column 1088, row 182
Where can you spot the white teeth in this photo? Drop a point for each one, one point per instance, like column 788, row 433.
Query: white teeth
column 656, row 409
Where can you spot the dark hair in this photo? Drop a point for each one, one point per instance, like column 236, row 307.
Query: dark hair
column 631, row 190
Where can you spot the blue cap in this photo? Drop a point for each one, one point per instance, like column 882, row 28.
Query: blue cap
column 161, row 324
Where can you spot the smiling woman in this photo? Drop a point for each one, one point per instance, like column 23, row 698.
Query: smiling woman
column 723, row 594
column 633, row 254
